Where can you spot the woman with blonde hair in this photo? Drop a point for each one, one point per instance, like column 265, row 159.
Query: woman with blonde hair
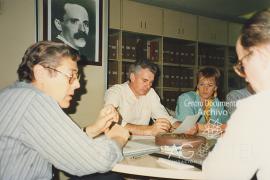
column 203, row 101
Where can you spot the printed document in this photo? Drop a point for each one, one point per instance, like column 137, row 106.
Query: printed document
column 188, row 123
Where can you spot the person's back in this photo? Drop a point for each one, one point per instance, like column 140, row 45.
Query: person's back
column 35, row 133
column 233, row 96
column 243, row 146
column 19, row 160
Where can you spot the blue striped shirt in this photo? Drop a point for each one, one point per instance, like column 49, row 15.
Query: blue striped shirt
column 35, row 133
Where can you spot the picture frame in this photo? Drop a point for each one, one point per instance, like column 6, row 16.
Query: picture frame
column 81, row 28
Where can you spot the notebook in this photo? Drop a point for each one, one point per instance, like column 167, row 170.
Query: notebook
column 134, row 149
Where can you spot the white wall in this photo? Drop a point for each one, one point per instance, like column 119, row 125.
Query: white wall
column 17, row 33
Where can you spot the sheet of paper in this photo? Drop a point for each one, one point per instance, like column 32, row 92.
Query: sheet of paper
column 189, row 122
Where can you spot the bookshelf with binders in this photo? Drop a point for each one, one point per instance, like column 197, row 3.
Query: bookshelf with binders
column 114, row 57
column 234, row 81
column 178, row 49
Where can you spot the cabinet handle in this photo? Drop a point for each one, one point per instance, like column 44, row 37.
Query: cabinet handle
column 178, row 31
column 141, row 24
column 145, row 24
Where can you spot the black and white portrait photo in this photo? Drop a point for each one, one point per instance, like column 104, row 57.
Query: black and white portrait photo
column 77, row 24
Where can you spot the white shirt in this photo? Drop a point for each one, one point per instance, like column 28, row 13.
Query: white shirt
column 245, row 147
column 65, row 41
column 136, row 110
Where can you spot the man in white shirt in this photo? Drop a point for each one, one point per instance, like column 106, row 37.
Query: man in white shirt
column 137, row 102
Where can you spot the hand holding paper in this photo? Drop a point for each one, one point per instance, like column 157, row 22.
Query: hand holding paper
column 188, row 123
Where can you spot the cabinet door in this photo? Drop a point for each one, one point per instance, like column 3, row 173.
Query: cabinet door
column 220, row 30
column 153, row 20
column 115, row 13
column 234, row 32
column 172, row 22
column 212, row 31
column 189, row 26
column 131, row 16
column 142, row 18
column 180, row 25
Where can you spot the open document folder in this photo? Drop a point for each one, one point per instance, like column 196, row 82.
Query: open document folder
column 188, row 123
column 133, row 148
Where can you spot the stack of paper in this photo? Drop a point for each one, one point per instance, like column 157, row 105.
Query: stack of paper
column 137, row 149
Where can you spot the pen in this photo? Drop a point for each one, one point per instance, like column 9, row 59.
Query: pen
column 198, row 120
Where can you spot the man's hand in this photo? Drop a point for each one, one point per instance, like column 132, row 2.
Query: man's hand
column 106, row 116
column 161, row 125
column 175, row 125
column 119, row 134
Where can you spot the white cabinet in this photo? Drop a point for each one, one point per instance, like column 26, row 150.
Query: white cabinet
column 212, row 31
column 234, row 32
column 180, row 25
column 141, row 18
column 115, row 14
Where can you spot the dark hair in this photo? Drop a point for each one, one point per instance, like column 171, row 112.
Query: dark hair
column 45, row 53
column 136, row 67
column 256, row 30
column 209, row 72
column 58, row 7
column 58, row 11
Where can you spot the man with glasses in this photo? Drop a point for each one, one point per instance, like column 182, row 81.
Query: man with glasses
column 243, row 151
column 35, row 133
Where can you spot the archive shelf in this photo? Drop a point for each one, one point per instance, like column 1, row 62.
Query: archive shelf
column 178, row 51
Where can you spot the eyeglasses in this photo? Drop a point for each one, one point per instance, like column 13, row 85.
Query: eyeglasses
column 239, row 68
column 71, row 78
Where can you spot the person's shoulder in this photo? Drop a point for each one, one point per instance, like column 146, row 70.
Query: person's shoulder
column 118, row 88
column 237, row 94
column 189, row 94
column 152, row 94
column 20, row 91
column 262, row 97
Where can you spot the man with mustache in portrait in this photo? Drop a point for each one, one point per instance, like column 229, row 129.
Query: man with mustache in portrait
column 72, row 21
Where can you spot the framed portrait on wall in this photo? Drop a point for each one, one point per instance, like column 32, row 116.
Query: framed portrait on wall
column 77, row 23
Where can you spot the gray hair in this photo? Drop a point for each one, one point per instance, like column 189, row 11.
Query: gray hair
column 137, row 67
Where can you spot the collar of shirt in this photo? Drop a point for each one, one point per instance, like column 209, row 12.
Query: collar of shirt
column 65, row 41
column 131, row 93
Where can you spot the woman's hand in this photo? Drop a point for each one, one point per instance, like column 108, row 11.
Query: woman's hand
column 192, row 130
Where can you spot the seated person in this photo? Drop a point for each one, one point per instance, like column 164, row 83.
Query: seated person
column 236, row 95
column 137, row 102
column 35, row 133
column 204, row 101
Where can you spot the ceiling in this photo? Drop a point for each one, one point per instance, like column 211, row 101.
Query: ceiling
column 231, row 10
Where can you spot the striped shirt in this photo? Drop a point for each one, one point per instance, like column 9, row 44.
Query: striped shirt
column 35, row 133
column 235, row 95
